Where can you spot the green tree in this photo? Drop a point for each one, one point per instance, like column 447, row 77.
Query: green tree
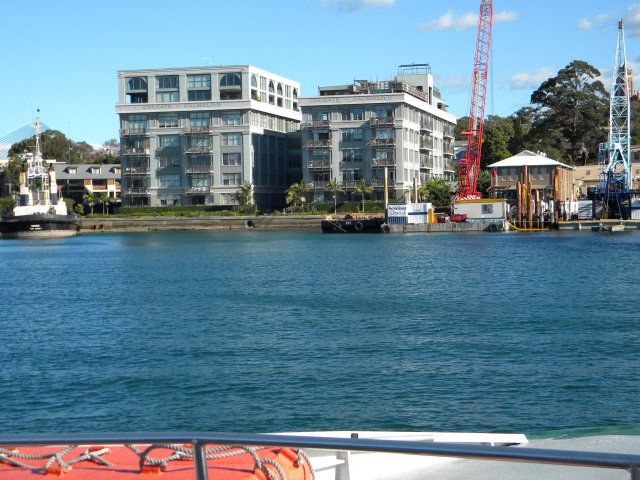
column 483, row 182
column 575, row 104
column 333, row 187
column 90, row 199
column 103, row 199
column 438, row 192
column 7, row 204
column 55, row 145
column 10, row 176
column 243, row 195
column 497, row 134
column 362, row 189
column 297, row 193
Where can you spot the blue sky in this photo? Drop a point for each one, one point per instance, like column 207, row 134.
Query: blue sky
column 62, row 57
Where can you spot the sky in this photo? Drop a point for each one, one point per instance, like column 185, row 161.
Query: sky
column 62, row 57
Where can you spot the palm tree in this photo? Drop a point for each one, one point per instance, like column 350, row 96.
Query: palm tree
column 422, row 191
column 103, row 198
column 297, row 193
column 243, row 195
column 334, row 188
column 89, row 198
column 362, row 188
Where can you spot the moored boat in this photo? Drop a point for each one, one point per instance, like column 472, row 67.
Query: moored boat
column 41, row 212
column 355, row 225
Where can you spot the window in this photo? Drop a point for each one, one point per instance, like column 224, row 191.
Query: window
column 168, row 181
column 487, row 209
column 200, row 119
column 138, row 123
column 231, row 159
column 170, row 161
column 169, row 141
column 201, row 181
column 72, row 171
column 231, row 139
column 271, row 87
column 199, row 81
column 95, row 170
column 231, row 118
column 168, row 82
column 358, row 114
column 201, row 141
column 169, row 199
column 279, row 90
column 229, row 198
column 231, row 179
column 384, row 133
column 168, row 120
column 199, row 87
column 352, row 135
column 136, row 84
column 230, row 80
column 254, row 81
column 166, row 97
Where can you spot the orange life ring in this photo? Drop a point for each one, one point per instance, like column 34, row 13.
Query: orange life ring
column 170, row 462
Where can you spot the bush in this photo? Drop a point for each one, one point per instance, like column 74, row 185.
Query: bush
column 7, row 205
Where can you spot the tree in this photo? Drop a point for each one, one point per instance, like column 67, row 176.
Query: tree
column 362, row 189
column 333, row 187
column 575, row 104
column 438, row 192
column 498, row 132
column 484, row 182
column 297, row 193
column 7, row 204
column 55, row 145
column 89, row 198
column 10, row 176
column 243, row 195
column 103, row 199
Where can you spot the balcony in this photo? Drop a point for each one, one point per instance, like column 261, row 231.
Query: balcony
column 319, row 165
column 134, row 152
column 383, row 162
column 382, row 122
column 199, row 150
column 318, row 124
column 449, row 165
column 199, row 190
column 383, row 142
column 136, row 191
column 426, row 163
column 426, row 143
column 197, row 129
column 168, row 151
column 199, row 169
column 136, row 170
column 313, row 144
column 427, row 125
column 134, row 131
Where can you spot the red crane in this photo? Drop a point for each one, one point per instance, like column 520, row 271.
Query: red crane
column 469, row 166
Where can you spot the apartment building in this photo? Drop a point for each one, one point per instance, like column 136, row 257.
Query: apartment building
column 75, row 180
column 357, row 132
column 192, row 136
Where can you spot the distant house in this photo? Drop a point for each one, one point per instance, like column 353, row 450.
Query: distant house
column 74, row 180
column 545, row 174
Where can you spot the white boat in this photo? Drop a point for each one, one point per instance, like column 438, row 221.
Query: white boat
column 40, row 212
column 334, row 455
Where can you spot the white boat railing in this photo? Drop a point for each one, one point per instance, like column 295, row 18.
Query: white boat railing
column 199, row 441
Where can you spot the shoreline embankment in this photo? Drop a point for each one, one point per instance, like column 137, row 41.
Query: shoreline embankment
column 149, row 224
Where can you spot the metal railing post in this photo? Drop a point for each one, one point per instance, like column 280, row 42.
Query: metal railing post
column 199, row 460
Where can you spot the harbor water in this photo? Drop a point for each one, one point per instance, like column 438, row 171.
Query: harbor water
column 288, row 331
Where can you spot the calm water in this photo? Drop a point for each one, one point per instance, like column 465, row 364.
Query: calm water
column 264, row 331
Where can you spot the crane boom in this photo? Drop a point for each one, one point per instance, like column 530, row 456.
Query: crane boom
column 469, row 166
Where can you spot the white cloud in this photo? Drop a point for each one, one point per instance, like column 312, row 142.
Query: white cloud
column 449, row 21
column 355, row 5
column 531, row 80
column 632, row 21
column 595, row 22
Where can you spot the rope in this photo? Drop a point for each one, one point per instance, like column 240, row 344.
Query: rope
column 271, row 469
column 11, row 456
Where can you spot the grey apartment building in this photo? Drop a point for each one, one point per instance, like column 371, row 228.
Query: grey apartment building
column 357, row 132
column 192, row 136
